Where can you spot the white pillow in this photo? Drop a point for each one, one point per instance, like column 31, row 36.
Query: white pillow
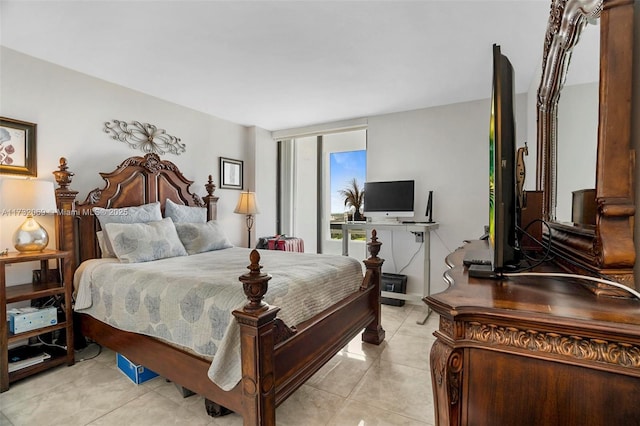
column 104, row 249
column 143, row 242
column 180, row 213
column 201, row 237
column 138, row 214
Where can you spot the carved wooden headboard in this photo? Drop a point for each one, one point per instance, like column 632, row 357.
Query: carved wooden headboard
column 136, row 181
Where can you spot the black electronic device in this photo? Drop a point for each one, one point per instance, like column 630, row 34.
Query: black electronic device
column 429, row 212
column 503, row 247
column 393, row 283
column 476, row 257
column 389, row 199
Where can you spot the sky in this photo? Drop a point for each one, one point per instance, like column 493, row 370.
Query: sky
column 344, row 166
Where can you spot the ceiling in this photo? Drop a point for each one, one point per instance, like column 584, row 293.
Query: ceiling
column 285, row 64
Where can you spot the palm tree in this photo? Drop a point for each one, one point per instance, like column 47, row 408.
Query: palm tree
column 353, row 196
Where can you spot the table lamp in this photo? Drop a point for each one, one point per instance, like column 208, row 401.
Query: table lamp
column 20, row 197
column 248, row 205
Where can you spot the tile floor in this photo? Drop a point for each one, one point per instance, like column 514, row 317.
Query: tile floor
column 362, row 385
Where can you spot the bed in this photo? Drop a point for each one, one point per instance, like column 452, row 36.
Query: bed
column 274, row 357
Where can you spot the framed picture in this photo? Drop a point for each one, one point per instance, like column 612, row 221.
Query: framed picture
column 18, row 147
column 230, row 173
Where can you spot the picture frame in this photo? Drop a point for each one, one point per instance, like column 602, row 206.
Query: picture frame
column 18, row 147
column 231, row 173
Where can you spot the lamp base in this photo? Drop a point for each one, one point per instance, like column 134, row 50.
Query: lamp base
column 249, row 226
column 30, row 236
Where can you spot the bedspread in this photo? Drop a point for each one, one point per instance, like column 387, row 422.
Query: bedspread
column 188, row 300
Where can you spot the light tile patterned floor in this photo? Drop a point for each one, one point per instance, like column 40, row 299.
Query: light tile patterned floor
column 362, row 385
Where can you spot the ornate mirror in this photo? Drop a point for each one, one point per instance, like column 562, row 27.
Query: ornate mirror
column 603, row 245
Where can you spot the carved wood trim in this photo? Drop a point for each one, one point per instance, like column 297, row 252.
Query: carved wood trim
column 255, row 284
column 446, row 373
column 446, row 326
column 282, row 331
column 567, row 346
column 439, row 355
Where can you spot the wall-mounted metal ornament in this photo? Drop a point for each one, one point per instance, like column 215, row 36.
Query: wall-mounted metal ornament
column 144, row 136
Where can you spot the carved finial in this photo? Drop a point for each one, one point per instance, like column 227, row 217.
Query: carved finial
column 374, row 245
column 255, row 284
column 152, row 162
column 255, row 266
column 210, row 186
column 63, row 176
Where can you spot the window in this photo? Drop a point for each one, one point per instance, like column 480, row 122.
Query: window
column 347, row 176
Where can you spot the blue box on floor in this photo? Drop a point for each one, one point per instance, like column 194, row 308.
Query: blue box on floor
column 137, row 373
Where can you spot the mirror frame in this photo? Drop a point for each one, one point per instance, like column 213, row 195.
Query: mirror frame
column 608, row 247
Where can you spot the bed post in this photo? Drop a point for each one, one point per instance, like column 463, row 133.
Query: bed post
column 66, row 204
column 210, row 200
column 257, row 341
column 374, row 333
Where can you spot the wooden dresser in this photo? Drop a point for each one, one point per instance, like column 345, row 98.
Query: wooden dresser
column 533, row 351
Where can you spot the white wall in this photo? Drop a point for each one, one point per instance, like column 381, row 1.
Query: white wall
column 70, row 110
column 305, row 192
column 266, row 157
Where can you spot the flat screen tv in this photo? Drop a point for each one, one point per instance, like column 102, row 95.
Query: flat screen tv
column 390, row 199
column 503, row 246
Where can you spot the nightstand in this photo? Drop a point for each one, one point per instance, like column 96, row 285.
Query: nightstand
column 36, row 290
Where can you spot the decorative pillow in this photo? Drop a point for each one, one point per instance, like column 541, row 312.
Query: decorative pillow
column 104, row 249
column 139, row 214
column 143, row 242
column 181, row 213
column 201, row 237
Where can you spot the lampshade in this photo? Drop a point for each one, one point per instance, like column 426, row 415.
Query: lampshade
column 20, row 197
column 247, row 204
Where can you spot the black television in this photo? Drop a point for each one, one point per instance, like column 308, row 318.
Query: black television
column 391, row 199
column 503, row 245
